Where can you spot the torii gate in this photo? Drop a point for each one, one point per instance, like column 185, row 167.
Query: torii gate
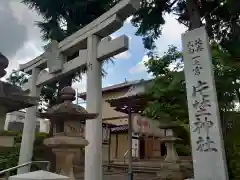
column 93, row 48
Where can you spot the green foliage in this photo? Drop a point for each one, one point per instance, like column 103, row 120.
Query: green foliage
column 60, row 19
column 17, row 78
column 9, row 156
column 168, row 89
column 232, row 143
column 221, row 18
column 183, row 150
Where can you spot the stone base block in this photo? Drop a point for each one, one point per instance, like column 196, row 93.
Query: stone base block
column 170, row 171
column 66, row 161
column 175, row 171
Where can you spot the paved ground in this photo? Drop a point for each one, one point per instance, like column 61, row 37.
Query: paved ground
column 115, row 177
column 123, row 176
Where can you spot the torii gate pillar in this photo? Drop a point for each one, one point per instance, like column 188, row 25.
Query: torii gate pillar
column 93, row 153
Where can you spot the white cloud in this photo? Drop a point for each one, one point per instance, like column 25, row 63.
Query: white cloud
column 171, row 35
column 13, row 33
column 128, row 20
column 123, row 55
column 140, row 67
column 150, row 76
column 107, row 85
column 29, row 51
column 26, row 43
column 82, row 85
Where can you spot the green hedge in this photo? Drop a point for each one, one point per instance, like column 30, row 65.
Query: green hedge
column 183, row 150
column 9, row 156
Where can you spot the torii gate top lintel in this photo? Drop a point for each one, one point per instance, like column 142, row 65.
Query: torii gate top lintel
column 103, row 26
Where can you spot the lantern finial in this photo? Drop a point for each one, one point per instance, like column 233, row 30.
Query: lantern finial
column 68, row 94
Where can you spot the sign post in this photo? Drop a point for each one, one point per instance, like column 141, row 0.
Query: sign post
column 208, row 152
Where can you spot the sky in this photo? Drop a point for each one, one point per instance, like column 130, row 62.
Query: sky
column 20, row 41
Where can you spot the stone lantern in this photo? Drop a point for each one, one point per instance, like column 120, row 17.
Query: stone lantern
column 169, row 139
column 12, row 98
column 173, row 168
column 68, row 140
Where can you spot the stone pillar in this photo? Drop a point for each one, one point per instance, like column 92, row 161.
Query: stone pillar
column 7, row 121
column 64, row 162
column 93, row 152
column 28, row 135
column 170, row 141
column 171, row 151
column 208, row 152
column 3, row 115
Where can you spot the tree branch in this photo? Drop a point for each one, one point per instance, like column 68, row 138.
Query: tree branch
column 174, row 2
column 185, row 24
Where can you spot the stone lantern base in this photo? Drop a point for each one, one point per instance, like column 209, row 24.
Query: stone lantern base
column 171, row 152
column 179, row 170
column 171, row 155
column 64, row 161
column 67, row 150
column 170, row 171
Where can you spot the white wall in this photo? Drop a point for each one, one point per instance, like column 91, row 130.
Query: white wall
column 19, row 116
column 135, row 145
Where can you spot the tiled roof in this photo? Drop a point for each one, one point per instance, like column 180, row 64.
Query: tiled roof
column 115, row 87
column 120, row 128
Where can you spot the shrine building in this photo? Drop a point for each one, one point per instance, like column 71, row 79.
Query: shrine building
column 145, row 145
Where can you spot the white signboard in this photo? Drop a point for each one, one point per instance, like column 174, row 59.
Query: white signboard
column 135, row 145
column 146, row 126
column 206, row 135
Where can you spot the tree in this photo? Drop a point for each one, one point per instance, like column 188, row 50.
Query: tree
column 221, row 18
column 168, row 87
column 62, row 18
column 169, row 90
column 9, row 155
column 17, row 78
column 65, row 17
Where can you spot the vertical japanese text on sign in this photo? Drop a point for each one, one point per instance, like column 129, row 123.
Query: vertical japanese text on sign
column 202, row 123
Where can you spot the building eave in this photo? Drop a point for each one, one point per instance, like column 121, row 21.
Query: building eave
column 115, row 87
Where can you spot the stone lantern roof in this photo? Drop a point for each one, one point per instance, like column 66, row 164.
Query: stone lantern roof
column 67, row 110
column 3, row 65
column 13, row 98
column 168, row 125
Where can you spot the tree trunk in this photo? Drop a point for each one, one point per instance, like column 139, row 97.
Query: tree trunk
column 194, row 15
column 209, row 26
column 238, row 95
